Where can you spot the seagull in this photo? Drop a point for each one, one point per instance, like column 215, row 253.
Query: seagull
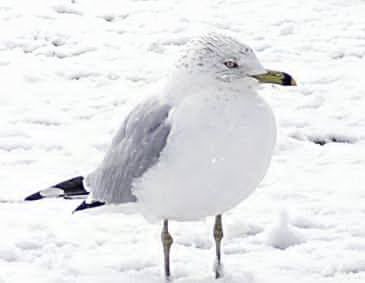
column 196, row 150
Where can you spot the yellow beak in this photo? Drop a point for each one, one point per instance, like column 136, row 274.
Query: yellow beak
column 275, row 77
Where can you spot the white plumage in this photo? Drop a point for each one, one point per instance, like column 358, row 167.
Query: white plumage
column 200, row 147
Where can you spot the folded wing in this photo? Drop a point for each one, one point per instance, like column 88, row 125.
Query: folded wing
column 135, row 148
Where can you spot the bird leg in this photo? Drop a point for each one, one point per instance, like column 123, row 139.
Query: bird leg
column 166, row 243
column 218, row 236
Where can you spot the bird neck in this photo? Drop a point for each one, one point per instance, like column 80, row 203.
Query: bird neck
column 182, row 85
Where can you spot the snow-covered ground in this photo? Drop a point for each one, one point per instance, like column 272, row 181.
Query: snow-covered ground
column 71, row 70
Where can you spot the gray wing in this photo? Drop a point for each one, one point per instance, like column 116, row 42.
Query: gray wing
column 135, row 148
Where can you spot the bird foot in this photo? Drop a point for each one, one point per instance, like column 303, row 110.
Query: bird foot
column 218, row 270
column 168, row 279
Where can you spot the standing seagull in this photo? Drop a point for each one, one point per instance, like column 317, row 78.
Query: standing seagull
column 197, row 150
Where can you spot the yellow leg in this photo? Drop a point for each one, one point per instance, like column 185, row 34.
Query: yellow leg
column 218, row 236
column 166, row 243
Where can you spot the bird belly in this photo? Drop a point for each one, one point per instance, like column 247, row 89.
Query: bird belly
column 218, row 151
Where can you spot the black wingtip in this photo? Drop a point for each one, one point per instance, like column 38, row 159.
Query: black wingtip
column 35, row 196
column 85, row 205
column 72, row 187
column 69, row 189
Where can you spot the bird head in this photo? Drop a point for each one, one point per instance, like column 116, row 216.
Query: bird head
column 223, row 58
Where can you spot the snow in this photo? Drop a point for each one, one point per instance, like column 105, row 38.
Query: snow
column 70, row 72
column 281, row 235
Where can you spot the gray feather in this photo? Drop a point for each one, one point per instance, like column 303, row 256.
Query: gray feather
column 135, row 148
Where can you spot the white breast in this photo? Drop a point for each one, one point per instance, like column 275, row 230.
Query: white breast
column 218, row 151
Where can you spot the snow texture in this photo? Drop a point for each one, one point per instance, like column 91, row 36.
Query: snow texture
column 72, row 70
column 281, row 235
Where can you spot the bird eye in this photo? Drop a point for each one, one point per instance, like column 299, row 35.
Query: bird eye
column 231, row 64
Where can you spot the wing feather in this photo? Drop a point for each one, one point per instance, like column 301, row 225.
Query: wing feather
column 135, row 148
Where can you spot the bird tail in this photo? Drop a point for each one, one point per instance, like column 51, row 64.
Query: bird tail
column 69, row 189
column 88, row 204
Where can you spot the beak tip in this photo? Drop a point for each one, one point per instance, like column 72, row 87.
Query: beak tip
column 288, row 80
